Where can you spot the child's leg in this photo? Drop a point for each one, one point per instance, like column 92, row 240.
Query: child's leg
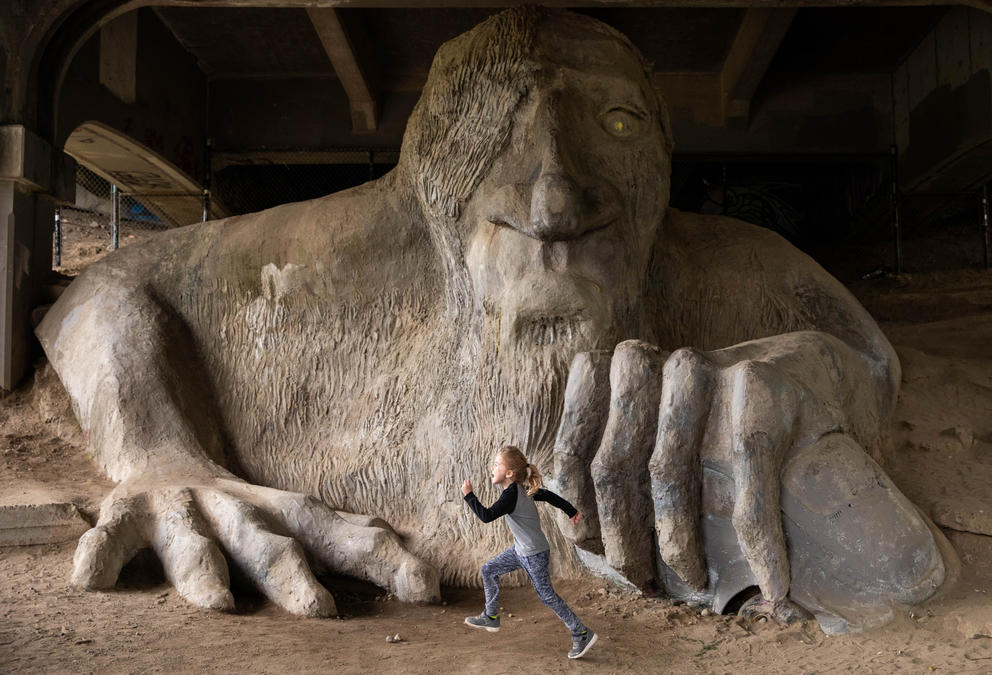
column 537, row 569
column 507, row 561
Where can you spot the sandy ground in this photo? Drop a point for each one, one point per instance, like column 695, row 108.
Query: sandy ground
column 940, row 454
column 144, row 627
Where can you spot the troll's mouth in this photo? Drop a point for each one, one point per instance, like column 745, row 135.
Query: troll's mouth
column 552, row 308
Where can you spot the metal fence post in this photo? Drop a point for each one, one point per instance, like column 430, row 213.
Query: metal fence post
column 115, row 216
column 985, row 223
column 896, row 225
column 206, row 206
column 58, row 236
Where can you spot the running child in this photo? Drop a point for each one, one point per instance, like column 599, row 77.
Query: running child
column 530, row 549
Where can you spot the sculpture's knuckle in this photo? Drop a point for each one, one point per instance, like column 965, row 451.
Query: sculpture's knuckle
column 311, row 502
column 628, row 347
column 91, row 540
column 658, row 467
column 754, row 371
column 285, row 546
column 380, row 537
column 607, row 461
column 599, row 472
column 746, row 518
column 683, row 359
column 243, row 511
column 297, row 501
column 754, row 443
column 635, row 353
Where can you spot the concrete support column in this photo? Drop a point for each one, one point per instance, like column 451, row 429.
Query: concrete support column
column 28, row 189
column 119, row 57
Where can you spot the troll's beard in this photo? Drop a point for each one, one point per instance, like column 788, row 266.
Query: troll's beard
column 519, row 384
column 504, row 387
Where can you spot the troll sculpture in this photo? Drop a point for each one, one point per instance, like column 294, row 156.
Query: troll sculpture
column 703, row 391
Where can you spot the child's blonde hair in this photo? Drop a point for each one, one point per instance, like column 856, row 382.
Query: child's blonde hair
column 523, row 472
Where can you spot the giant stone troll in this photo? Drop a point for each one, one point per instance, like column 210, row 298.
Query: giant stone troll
column 705, row 392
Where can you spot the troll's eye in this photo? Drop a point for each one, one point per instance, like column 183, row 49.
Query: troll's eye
column 621, row 123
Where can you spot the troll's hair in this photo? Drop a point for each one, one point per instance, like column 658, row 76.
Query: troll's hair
column 464, row 117
column 523, row 472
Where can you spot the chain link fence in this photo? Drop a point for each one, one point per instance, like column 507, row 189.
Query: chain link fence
column 943, row 231
column 103, row 218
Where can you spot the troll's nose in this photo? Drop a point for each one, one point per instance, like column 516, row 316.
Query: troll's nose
column 555, row 208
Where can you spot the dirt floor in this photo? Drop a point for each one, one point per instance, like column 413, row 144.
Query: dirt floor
column 144, row 627
column 940, row 454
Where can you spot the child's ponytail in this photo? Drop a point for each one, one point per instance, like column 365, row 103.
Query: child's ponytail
column 523, row 472
column 533, row 479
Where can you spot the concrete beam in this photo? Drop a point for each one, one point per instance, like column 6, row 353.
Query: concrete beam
column 757, row 40
column 25, row 257
column 985, row 5
column 119, row 57
column 222, row 159
column 25, row 158
column 341, row 46
column 119, row 159
column 31, row 178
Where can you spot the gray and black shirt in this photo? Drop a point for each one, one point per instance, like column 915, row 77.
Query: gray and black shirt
column 521, row 515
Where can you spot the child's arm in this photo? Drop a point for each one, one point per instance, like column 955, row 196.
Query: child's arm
column 543, row 495
column 504, row 505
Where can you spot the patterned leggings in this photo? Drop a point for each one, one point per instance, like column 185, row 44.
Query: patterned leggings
column 536, row 567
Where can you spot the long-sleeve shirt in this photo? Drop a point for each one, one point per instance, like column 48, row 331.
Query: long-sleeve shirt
column 521, row 515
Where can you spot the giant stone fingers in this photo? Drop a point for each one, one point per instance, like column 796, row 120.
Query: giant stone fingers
column 363, row 551
column 267, row 534
column 619, row 470
column 587, row 399
column 275, row 563
column 103, row 550
column 676, row 469
column 764, row 407
column 192, row 562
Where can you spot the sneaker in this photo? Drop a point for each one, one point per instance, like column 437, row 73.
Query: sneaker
column 484, row 621
column 581, row 644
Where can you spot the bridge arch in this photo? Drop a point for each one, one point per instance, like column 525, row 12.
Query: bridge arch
column 165, row 189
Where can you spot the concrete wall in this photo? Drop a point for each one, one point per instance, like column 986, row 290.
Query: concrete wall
column 307, row 112
column 28, row 181
column 169, row 111
column 942, row 103
column 828, row 114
